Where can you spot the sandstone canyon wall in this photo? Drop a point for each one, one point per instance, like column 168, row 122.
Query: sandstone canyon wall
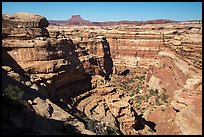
column 52, row 63
column 86, row 63
column 171, row 52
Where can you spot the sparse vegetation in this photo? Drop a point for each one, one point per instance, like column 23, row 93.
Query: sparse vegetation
column 13, row 92
column 142, row 77
column 14, row 95
column 153, row 92
column 12, row 99
column 131, row 80
column 93, row 125
column 164, row 97
column 158, row 102
column 148, row 98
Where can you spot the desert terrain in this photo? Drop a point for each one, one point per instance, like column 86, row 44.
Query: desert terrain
column 113, row 78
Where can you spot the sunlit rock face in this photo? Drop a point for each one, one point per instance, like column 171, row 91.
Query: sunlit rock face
column 36, row 53
column 171, row 54
column 51, row 62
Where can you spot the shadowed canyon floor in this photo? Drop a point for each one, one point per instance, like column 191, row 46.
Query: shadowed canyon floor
column 114, row 79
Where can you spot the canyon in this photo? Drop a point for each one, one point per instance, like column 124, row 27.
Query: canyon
column 129, row 79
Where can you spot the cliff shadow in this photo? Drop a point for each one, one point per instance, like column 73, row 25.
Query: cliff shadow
column 141, row 122
column 8, row 60
column 61, row 81
column 108, row 62
column 74, row 81
column 20, row 119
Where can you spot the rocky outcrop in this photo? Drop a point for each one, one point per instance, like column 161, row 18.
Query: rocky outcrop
column 52, row 62
column 188, row 113
column 46, row 108
column 54, row 66
column 24, row 20
column 110, row 106
column 186, row 42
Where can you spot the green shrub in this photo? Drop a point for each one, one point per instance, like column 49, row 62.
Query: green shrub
column 129, row 88
column 139, row 99
column 14, row 93
column 153, row 92
column 137, row 91
column 158, row 102
column 130, row 80
column 139, row 86
column 113, row 131
column 143, row 110
column 12, row 98
column 164, row 97
column 142, row 77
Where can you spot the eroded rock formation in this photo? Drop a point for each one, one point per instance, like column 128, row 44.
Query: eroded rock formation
column 52, row 63
column 171, row 50
column 138, row 79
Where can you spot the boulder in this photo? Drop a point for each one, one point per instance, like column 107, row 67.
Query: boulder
column 42, row 108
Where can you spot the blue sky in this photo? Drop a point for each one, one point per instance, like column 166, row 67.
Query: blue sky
column 109, row 11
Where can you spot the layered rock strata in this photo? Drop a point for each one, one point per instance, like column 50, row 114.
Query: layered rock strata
column 172, row 50
column 42, row 63
column 67, row 60
column 110, row 106
column 52, row 63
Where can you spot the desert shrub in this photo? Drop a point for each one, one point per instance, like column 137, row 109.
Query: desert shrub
column 79, row 115
column 164, row 97
column 14, row 93
column 153, row 92
column 113, row 131
column 158, row 102
column 143, row 110
column 129, row 88
column 146, row 98
column 131, row 95
column 139, row 86
column 12, row 99
column 132, row 72
column 139, row 99
column 130, row 80
column 142, row 77
column 137, row 90
column 163, row 89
